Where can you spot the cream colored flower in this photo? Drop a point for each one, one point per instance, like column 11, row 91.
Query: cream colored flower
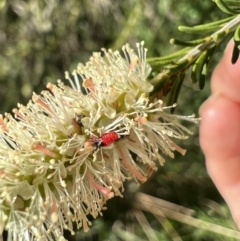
column 70, row 149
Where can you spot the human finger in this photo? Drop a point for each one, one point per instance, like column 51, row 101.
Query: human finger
column 219, row 132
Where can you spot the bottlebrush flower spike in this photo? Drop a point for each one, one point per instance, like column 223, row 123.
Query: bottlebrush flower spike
column 70, row 149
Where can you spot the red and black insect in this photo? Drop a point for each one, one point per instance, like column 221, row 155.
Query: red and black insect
column 108, row 138
column 105, row 140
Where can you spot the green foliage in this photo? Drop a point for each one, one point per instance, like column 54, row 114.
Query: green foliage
column 196, row 55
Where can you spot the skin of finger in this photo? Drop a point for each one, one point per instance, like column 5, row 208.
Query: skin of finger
column 226, row 76
column 219, row 139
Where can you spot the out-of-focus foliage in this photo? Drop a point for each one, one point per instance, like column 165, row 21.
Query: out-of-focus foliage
column 41, row 39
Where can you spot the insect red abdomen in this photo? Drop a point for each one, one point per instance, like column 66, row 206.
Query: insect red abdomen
column 108, row 138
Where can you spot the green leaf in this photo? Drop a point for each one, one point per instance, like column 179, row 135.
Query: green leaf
column 236, row 49
column 169, row 57
column 175, row 90
column 188, row 43
column 169, row 61
column 235, row 54
column 236, row 37
column 224, row 7
column 205, row 28
column 199, row 69
column 202, row 76
column 198, row 66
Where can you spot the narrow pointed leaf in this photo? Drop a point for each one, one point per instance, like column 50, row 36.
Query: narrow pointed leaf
column 205, row 28
column 235, row 54
column 188, row 43
column 197, row 67
column 169, row 57
column 175, row 90
column 224, row 7
column 236, row 37
column 202, row 77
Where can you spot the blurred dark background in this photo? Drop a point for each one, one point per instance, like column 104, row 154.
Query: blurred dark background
column 41, row 39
